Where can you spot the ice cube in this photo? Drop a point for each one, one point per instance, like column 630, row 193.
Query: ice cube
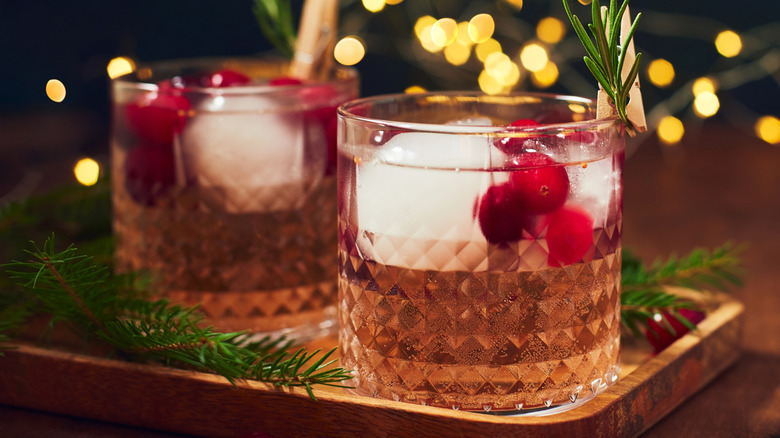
column 591, row 187
column 245, row 156
column 416, row 200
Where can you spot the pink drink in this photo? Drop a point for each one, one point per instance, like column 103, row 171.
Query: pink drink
column 479, row 263
column 223, row 178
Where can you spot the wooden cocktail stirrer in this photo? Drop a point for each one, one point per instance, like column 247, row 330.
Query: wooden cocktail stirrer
column 317, row 31
column 634, row 109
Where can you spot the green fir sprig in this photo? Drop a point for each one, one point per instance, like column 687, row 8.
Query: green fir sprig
column 93, row 301
column 645, row 291
column 606, row 54
column 276, row 22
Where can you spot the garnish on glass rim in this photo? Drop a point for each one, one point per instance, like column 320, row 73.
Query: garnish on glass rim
column 607, row 56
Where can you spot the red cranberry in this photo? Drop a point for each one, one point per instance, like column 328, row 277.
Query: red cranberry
column 156, row 118
column 225, row 78
column 660, row 337
column 149, row 171
column 284, row 80
column 514, row 145
column 501, row 216
column 543, row 186
column 569, row 235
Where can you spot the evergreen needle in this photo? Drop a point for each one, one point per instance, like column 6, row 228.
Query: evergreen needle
column 605, row 53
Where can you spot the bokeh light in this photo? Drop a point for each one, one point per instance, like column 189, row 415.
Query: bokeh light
column 660, row 72
column 728, row 44
column 484, row 49
column 457, row 53
column 703, row 85
column 349, row 51
column 550, row 30
column 393, row 2
column 55, row 90
column 489, row 84
column 518, row 4
column 120, row 66
column 481, row 27
column 545, row 77
column 706, row 104
column 374, row 5
column 87, row 171
column 768, row 129
column 415, row 89
column 444, row 32
column 670, row 130
column 533, row 57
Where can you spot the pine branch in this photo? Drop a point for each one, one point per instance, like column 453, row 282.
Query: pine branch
column 644, row 294
column 71, row 287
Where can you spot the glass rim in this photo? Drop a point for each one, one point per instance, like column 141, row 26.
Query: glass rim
column 342, row 74
column 346, row 111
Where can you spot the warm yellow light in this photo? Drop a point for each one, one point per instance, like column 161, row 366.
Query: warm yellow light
column 415, row 89
column 120, row 66
column 423, row 22
column 393, row 2
column 660, row 72
column 706, row 104
column 585, row 2
column 481, row 27
column 550, row 30
column 518, row 4
column 728, row 43
column 670, row 130
column 768, row 129
column 489, row 84
column 87, row 171
column 426, row 40
column 704, row 85
column 55, row 90
column 533, row 57
column 457, row 53
column 512, row 77
column 545, row 77
column 484, row 49
column 349, row 51
column 374, row 5
column 444, row 32
column 463, row 34
column 502, row 69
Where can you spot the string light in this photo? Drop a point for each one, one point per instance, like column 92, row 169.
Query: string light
column 444, row 32
column 393, row 2
column 518, row 4
column 457, row 53
column 120, row 66
column 423, row 22
column 728, row 44
column 670, row 130
column 533, row 57
column 55, row 90
column 87, row 171
column 550, row 30
column 768, row 129
column 660, row 72
column 374, row 5
column 481, row 27
column 706, row 104
column 489, row 84
column 349, row 51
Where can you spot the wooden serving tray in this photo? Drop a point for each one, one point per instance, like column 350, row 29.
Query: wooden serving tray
column 203, row 404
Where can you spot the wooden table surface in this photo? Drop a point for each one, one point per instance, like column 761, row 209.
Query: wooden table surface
column 717, row 185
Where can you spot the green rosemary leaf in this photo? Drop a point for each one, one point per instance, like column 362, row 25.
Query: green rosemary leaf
column 276, row 22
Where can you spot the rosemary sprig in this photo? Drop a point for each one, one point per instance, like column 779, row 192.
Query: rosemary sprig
column 276, row 21
column 72, row 288
column 606, row 55
column 644, row 291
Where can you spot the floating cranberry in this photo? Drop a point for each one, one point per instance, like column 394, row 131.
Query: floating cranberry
column 660, row 337
column 284, row 80
column 569, row 235
column 543, row 185
column 156, row 118
column 501, row 217
column 149, row 172
column 515, row 145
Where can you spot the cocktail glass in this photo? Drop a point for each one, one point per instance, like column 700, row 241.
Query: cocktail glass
column 479, row 249
column 224, row 189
